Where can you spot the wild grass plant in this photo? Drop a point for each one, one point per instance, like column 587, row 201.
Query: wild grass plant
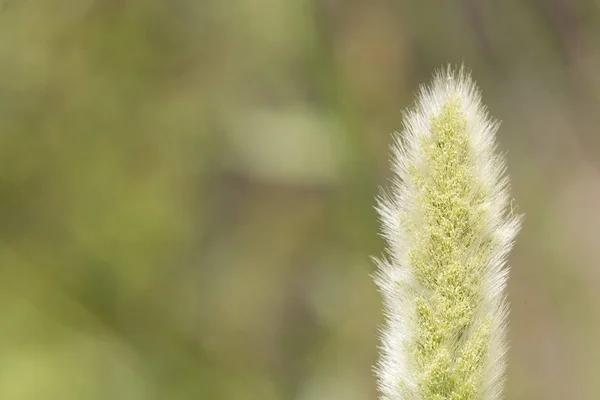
column 449, row 226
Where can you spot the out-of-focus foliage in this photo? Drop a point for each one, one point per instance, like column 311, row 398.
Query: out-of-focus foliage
column 186, row 190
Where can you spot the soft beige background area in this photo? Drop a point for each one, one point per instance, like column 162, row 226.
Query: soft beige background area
column 186, row 190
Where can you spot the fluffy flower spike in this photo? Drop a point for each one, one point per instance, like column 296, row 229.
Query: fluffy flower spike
column 449, row 227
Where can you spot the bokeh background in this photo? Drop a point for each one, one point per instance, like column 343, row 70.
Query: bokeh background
column 186, row 190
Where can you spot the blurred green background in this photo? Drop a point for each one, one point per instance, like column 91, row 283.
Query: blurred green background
column 187, row 190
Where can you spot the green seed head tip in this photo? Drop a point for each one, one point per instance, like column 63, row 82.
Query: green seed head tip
column 449, row 227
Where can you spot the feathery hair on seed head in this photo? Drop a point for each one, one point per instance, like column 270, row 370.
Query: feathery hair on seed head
column 449, row 227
